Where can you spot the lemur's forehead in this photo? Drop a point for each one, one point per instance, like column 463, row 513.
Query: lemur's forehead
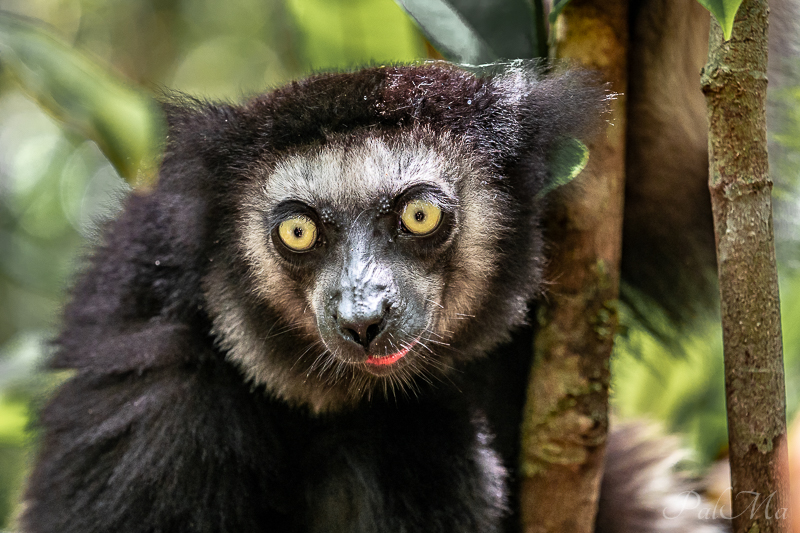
column 353, row 175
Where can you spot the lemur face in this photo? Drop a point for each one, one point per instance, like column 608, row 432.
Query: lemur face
column 375, row 250
column 371, row 231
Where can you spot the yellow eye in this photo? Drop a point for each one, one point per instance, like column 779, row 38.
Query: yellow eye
column 298, row 233
column 421, row 217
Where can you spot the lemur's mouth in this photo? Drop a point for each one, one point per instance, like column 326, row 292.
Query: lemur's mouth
column 385, row 360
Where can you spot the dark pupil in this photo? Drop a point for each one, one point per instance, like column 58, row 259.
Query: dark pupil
column 298, row 232
column 419, row 216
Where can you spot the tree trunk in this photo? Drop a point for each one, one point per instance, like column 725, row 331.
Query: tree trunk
column 566, row 414
column 735, row 85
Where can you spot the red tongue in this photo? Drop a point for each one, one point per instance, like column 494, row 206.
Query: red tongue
column 387, row 359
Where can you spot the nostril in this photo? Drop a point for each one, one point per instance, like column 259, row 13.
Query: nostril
column 372, row 332
column 361, row 332
column 353, row 334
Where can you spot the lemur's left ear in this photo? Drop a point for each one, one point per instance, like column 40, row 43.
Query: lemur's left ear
column 551, row 116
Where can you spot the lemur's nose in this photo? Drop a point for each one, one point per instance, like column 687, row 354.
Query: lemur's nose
column 359, row 323
column 361, row 331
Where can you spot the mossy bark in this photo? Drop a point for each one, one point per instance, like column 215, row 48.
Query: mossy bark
column 735, row 85
column 566, row 417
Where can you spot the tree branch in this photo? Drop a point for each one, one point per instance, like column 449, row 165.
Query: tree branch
column 735, row 85
column 566, row 415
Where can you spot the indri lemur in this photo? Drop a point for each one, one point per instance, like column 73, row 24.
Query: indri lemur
column 306, row 326
column 317, row 321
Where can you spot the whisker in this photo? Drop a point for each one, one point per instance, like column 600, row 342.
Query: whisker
column 283, row 330
column 300, row 357
column 440, row 306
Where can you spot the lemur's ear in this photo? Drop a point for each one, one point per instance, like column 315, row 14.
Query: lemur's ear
column 212, row 134
column 546, row 121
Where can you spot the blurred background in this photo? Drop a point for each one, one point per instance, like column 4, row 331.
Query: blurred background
column 56, row 187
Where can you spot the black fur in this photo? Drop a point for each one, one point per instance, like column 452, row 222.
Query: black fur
column 159, row 431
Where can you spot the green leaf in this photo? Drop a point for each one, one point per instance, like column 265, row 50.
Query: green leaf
column 724, row 11
column 123, row 121
column 13, row 421
column 566, row 160
column 448, row 31
column 508, row 27
column 480, row 31
column 558, row 5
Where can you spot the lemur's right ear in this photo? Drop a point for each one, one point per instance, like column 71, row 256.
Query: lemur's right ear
column 211, row 129
column 207, row 144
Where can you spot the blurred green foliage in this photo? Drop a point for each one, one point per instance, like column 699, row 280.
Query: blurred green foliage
column 124, row 122
column 686, row 390
column 56, row 187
